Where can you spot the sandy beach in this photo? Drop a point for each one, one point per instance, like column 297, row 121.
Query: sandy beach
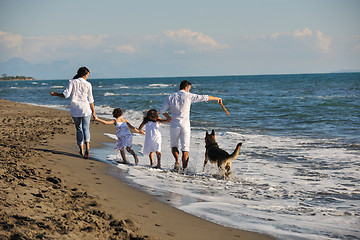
column 48, row 191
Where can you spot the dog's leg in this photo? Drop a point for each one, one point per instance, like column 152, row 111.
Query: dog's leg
column 227, row 173
column 223, row 171
column 205, row 161
column 228, row 167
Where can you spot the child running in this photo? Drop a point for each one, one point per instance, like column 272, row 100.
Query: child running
column 153, row 135
column 123, row 134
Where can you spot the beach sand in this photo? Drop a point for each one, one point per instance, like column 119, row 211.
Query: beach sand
column 49, row 192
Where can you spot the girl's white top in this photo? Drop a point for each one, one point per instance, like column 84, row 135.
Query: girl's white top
column 152, row 138
column 80, row 91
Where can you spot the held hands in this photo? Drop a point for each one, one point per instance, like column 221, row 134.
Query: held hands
column 96, row 118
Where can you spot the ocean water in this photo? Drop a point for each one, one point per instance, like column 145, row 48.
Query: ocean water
column 298, row 172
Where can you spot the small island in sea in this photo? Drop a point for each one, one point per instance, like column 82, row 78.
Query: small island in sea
column 5, row 77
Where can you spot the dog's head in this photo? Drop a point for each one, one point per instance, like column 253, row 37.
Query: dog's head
column 210, row 138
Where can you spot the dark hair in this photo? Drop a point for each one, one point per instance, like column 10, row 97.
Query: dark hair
column 81, row 72
column 151, row 115
column 184, row 84
column 117, row 112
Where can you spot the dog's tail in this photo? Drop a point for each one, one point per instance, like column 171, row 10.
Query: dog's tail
column 236, row 151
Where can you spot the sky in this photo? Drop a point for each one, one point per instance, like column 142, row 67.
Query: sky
column 49, row 39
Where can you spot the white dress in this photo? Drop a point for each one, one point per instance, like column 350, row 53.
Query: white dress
column 124, row 135
column 152, row 138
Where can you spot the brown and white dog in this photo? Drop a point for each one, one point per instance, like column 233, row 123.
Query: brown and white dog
column 217, row 155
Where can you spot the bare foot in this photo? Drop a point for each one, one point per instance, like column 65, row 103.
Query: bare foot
column 177, row 167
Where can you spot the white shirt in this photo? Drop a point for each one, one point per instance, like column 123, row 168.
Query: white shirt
column 80, row 91
column 179, row 104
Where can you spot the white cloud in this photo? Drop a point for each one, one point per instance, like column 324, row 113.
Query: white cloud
column 165, row 51
column 303, row 33
column 178, row 42
column 125, row 49
column 306, row 32
column 190, row 40
column 10, row 45
column 47, row 47
column 10, row 41
column 323, row 42
column 316, row 39
column 84, row 42
column 278, row 34
column 196, row 39
column 306, row 36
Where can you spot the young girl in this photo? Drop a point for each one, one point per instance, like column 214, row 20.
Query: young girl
column 153, row 136
column 123, row 134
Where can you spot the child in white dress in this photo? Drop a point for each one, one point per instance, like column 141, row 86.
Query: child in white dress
column 123, row 134
column 153, row 135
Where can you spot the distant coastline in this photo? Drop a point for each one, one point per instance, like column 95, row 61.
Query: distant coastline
column 15, row 78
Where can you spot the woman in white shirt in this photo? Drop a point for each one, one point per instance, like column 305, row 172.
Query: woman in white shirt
column 81, row 107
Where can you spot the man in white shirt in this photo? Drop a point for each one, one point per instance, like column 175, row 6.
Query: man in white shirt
column 179, row 104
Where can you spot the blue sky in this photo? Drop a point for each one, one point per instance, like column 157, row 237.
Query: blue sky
column 115, row 38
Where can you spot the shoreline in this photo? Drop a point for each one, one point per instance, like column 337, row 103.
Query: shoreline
column 55, row 193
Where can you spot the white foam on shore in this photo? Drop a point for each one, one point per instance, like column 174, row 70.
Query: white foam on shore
column 60, row 107
column 160, row 85
column 107, row 94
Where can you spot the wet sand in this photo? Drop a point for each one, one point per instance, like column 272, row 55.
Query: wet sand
column 48, row 191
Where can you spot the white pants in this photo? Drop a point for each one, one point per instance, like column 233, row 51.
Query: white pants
column 182, row 134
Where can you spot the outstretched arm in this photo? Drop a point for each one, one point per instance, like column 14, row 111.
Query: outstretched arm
column 57, row 94
column 219, row 100
column 134, row 129
column 141, row 126
column 104, row 122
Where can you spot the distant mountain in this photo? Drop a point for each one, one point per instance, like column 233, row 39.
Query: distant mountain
column 61, row 69
column 15, row 66
column 53, row 70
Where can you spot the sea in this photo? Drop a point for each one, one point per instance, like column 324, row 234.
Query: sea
column 298, row 172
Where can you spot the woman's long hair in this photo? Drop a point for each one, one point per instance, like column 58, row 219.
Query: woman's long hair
column 81, row 72
column 151, row 115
